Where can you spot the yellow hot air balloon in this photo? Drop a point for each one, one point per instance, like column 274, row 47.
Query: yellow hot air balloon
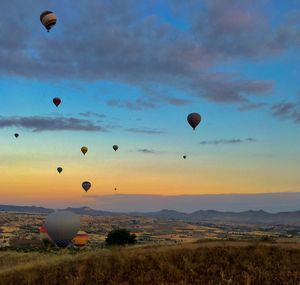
column 81, row 239
column 84, row 150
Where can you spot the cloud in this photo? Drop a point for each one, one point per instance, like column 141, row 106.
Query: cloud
column 272, row 202
column 40, row 124
column 287, row 110
column 138, row 104
column 145, row 131
column 227, row 141
column 146, row 150
column 92, row 114
column 125, row 45
column 250, row 140
column 222, row 88
column 251, row 106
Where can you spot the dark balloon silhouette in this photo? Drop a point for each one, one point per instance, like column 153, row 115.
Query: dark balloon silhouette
column 84, row 150
column 56, row 101
column 59, row 169
column 184, row 157
column 62, row 226
column 16, row 135
column 86, row 185
column 115, row 147
column 194, row 119
column 48, row 19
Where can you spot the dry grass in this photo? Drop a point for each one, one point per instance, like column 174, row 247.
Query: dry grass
column 211, row 263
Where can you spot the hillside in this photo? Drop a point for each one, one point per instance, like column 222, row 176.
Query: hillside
column 203, row 263
column 259, row 217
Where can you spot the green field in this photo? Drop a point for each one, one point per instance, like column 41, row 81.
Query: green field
column 198, row 263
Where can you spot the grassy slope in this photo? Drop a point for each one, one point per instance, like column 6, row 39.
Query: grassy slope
column 204, row 263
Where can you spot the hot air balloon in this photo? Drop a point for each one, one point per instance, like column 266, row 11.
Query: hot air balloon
column 62, row 226
column 44, row 234
column 16, row 135
column 184, row 157
column 115, row 147
column 116, row 189
column 81, row 239
column 86, row 185
column 194, row 119
column 84, row 150
column 48, row 19
column 56, row 101
column 59, row 169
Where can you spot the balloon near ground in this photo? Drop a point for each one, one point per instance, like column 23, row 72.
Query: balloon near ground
column 194, row 120
column 115, row 147
column 86, row 185
column 44, row 234
column 62, row 226
column 84, row 150
column 59, row 169
column 81, row 239
column 56, row 101
column 48, row 19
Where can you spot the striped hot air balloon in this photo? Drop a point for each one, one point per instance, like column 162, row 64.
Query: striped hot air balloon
column 44, row 234
column 81, row 239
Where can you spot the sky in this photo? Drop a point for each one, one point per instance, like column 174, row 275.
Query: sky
column 129, row 73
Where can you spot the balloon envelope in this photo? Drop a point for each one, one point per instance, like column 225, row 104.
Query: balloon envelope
column 62, row 226
column 194, row 119
column 16, row 135
column 115, row 147
column 86, row 185
column 81, row 239
column 48, row 19
column 56, row 101
column 59, row 169
column 44, row 234
column 184, row 157
column 84, row 150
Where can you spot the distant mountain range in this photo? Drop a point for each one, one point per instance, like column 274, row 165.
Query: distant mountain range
column 247, row 217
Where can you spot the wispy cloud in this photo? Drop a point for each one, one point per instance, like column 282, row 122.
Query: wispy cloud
column 148, row 151
column 227, row 141
column 251, row 106
column 287, row 110
column 138, row 104
column 40, row 124
column 145, row 131
column 92, row 114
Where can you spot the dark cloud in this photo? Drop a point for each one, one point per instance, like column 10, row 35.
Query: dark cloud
column 146, row 150
column 40, row 124
column 145, row 131
column 227, row 141
column 287, row 110
column 113, row 40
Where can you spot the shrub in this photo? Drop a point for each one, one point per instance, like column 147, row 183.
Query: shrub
column 120, row 237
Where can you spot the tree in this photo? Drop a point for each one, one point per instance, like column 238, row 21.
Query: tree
column 120, row 237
